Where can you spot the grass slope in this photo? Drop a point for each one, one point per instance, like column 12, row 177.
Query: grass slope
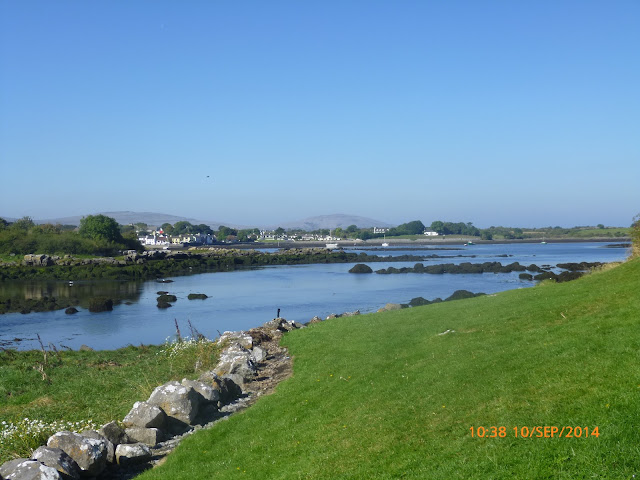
column 386, row 396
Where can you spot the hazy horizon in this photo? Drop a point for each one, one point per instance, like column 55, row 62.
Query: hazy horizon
column 232, row 223
column 514, row 114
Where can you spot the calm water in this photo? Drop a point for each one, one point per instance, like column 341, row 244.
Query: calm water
column 244, row 299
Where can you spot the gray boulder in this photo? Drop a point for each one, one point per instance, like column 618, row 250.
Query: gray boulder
column 38, row 260
column 148, row 436
column 111, row 449
column 208, row 393
column 258, row 354
column 180, row 403
column 58, row 459
column 242, row 338
column 112, row 432
column 132, row 454
column 145, row 415
column 229, row 390
column 235, row 361
column 89, row 453
column 25, row 469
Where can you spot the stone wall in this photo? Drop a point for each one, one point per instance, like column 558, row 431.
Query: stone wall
column 250, row 365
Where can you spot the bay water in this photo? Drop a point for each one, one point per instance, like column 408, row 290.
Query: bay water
column 243, row 299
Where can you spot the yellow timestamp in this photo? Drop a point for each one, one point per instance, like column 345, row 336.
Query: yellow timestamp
column 536, row 431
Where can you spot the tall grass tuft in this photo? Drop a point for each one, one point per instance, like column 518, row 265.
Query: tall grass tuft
column 635, row 237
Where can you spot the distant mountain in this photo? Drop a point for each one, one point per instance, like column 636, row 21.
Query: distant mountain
column 125, row 218
column 156, row 219
column 333, row 221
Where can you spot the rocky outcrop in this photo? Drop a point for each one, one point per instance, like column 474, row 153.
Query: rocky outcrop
column 361, row 268
column 197, row 296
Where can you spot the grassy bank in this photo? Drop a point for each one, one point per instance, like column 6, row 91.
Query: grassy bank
column 75, row 389
column 393, row 396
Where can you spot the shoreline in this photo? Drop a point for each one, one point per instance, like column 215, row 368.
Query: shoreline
column 430, row 242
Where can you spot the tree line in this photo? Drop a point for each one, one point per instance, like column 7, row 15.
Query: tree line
column 97, row 235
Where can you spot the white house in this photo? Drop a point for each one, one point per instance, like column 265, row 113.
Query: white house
column 155, row 239
column 430, row 233
column 380, row 230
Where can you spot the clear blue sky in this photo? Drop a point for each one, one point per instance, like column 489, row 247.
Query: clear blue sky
column 256, row 112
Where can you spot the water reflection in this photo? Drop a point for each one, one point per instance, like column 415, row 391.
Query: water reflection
column 76, row 292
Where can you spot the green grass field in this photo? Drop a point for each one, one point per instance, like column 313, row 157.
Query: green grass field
column 391, row 395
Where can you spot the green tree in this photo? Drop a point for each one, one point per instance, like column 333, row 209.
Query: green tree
column 100, row 227
column 127, row 229
column 225, row 232
column 415, row 227
column 279, row 231
column 182, row 227
column 438, row 226
column 600, row 226
column 352, row 229
column 202, row 228
column 167, row 228
column 25, row 223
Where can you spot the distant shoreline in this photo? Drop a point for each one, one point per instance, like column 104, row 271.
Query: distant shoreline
column 423, row 242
